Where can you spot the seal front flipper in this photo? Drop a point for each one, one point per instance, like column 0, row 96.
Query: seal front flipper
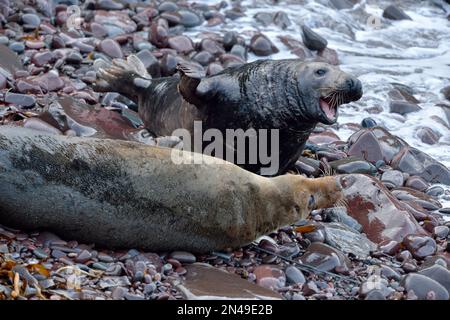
column 190, row 77
column 127, row 77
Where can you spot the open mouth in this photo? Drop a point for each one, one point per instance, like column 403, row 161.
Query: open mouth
column 329, row 108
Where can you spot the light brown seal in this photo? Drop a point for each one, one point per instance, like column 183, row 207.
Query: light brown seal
column 125, row 194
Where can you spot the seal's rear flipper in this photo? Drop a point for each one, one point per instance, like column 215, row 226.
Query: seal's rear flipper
column 126, row 77
column 191, row 76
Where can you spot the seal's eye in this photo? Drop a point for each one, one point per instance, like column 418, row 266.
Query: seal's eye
column 321, row 72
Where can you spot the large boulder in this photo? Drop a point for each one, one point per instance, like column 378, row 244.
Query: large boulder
column 381, row 215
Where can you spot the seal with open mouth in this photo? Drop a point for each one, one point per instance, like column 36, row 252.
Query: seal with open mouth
column 289, row 95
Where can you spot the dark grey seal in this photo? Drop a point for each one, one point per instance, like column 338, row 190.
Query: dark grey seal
column 289, row 95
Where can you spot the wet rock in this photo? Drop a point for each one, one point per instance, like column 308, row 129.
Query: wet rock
column 420, row 246
column 329, row 56
column 264, row 18
column 441, row 232
column 416, row 183
column 168, row 64
column 239, row 51
column 230, row 38
column 167, row 6
column 212, row 47
column 392, row 12
column 158, row 34
column 415, row 196
column 109, row 5
column 19, row 99
column 83, row 256
column 374, row 282
column 403, row 107
column 435, row 191
column 439, row 274
column 294, row 275
column 389, row 247
column 353, row 165
column 325, row 137
column 428, row 136
column 214, row 68
column 347, row 240
column 368, row 123
column 317, row 235
column 38, row 124
column 204, row 58
column 182, row 44
column 421, row 285
column 205, row 282
column 312, row 40
column 281, row 19
column 310, row 288
column 342, row 4
column 42, row 58
column 392, row 178
column 150, row 62
column 189, row 18
column 375, row 295
column 389, row 273
column 111, row 48
column 376, row 143
column 3, row 82
column 339, row 214
column 18, row 47
column 324, row 257
column 262, row 46
column 382, row 216
column 270, row 276
column 31, row 21
column 308, row 166
column 183, row 256
column 115, row 22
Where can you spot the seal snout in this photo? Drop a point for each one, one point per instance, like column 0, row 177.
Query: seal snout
column 353, row 88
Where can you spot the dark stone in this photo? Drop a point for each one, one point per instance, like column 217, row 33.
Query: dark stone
column 294, row 275
column 262, row 46
column 342, row 4
column 368, row 123
column 19, row 99
column 416, row 183
column 183, row 257
column 265, row 18
column 428, row 136
column 392, row 178
column 381, row 215
column 403, row 107
column 111, row 48
column 394, row 13
column 420, row 246
column 324, row 257
column 189, row 18
column 150, row 62
column 421, row 285
column 353, row 165
column 439, row 274
column 281, row 19
column 182, row 44
column 375, row 295
column 312, row 40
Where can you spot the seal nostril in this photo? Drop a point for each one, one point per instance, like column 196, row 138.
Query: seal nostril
column 350, row 83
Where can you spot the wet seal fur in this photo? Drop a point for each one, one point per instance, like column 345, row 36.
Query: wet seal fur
column 289, row 95
column 124, row 194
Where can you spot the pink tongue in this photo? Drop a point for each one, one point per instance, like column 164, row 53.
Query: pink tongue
column 327, row 109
